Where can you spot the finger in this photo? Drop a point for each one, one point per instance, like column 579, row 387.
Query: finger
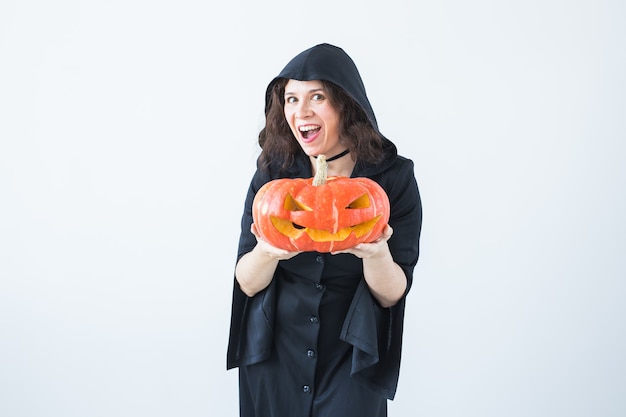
column 254, row 230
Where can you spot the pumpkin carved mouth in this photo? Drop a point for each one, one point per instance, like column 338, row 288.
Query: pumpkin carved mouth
column 294, row 230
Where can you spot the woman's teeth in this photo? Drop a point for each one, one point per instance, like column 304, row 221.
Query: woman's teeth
column 306, row 130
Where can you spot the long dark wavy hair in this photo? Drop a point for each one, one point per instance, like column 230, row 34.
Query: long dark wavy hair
column 356, row 132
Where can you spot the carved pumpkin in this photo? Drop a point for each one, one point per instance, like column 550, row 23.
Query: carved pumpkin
column 320, row 214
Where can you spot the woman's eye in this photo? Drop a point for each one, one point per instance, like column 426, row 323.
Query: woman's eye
column 318, row 97
column 290, row 100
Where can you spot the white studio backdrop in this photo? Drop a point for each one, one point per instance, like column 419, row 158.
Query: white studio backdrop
column 127, row 140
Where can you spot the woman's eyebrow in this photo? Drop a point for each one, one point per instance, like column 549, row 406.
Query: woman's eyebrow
column 315, row 90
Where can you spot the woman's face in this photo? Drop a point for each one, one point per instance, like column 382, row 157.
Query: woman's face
column 312, row 118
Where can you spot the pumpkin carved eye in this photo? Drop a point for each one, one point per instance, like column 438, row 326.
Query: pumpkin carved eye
column 291, row 204
column 359, row 203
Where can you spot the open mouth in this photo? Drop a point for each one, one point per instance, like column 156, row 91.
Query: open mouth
column 309, row 130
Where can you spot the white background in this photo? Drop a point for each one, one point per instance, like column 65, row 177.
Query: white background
column 128, row 137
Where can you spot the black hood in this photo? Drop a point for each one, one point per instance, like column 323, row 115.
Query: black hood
column 328, row 63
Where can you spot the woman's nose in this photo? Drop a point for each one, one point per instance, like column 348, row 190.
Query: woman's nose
column 303, row 110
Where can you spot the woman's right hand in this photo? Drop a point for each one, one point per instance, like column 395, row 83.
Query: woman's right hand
column 269, row 250
column 255, row 270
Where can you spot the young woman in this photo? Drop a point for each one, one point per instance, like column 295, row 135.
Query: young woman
column 320, row 334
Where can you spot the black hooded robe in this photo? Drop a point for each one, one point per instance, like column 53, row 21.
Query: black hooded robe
column 315, row 342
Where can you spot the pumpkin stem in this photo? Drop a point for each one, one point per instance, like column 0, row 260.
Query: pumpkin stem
column 321, row 171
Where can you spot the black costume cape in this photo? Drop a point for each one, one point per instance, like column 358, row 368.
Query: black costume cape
column 374, row 332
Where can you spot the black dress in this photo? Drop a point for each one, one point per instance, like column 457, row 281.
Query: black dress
column 315, row 343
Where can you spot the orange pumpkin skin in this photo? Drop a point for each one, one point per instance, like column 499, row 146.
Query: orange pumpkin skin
column 295, row 215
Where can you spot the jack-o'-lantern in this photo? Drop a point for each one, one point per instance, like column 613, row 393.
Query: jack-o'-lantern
column 322, row 214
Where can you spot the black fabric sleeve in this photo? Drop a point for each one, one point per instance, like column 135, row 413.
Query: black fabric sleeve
column 405, row 219
column 252, row 318
column 375, row 332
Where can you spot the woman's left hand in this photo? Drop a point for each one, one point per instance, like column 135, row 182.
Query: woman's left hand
column 384, row 277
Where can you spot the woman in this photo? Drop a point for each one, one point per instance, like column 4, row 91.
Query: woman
column 320, row 334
